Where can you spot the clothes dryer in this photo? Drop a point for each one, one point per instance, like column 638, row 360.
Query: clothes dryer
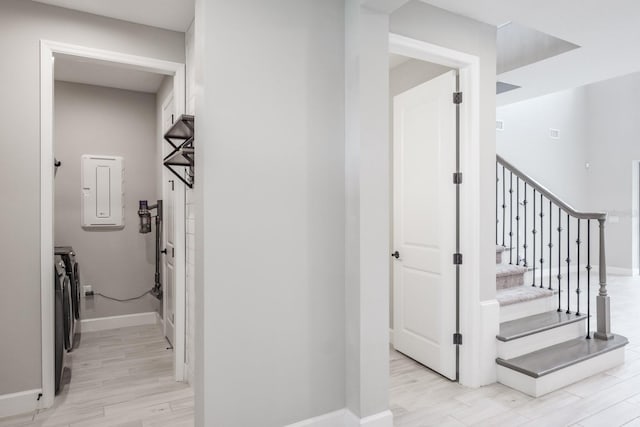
column 60, row 282
column 72, row 268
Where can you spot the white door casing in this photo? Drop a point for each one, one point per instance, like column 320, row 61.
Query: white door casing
column 168, row 68
column 424, row 150
column 174, row 264
column 169, row 228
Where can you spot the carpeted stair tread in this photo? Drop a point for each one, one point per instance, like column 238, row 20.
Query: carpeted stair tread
column 509, row 270
column 522, row 293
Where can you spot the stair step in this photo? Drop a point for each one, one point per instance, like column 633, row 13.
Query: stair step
column 509, row 276
column 528, row 334
column 537, row 323
column 518, row 294
column 499, row 250
column 524, row 301
column 554, row 367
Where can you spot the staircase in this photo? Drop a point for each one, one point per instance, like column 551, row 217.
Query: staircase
column 545, row 340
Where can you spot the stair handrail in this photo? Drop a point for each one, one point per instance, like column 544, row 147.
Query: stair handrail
column 603, row 310
column 549, row 195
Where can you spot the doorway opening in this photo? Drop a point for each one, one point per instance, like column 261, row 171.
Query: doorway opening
column 425, row 231
column 423, row 74
column 101, row 156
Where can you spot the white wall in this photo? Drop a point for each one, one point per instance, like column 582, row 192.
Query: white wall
column 558, row 164
column 270, row 219
column 23, row 24
column 367, row 216
column 613, row 129
column 598, row 125
column 116, row 262
column 190, row 217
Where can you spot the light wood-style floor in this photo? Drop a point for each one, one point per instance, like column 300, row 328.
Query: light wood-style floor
column 121, row 377
column 421, row 398
column 124, row 378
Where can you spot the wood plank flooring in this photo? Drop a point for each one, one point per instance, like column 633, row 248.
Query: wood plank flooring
column 124, row 378
column 121, row 377
column 420, row 398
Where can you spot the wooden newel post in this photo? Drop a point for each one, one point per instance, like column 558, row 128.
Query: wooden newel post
column 602, row 300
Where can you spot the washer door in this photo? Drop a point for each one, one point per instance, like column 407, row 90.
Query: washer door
column 75, row 290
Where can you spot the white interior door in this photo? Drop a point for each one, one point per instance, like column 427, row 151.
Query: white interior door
column 424, row 150
column 169, row 195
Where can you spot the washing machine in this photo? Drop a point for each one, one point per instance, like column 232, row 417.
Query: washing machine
column 61, row 320
column 72, row 269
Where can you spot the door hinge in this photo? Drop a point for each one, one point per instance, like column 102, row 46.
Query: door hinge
column 457, row 177
column 457, row 338
column 457, row 259
column 457, row 98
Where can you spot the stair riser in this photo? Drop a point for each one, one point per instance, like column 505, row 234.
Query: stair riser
column 540, row 340
column 499, row 257
column 537, row 387
column 510, row 281
column 527, row 308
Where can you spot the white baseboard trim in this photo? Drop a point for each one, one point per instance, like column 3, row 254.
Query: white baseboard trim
column 332, row 419
column 115, row 322
column 19, row 403
column 490, row 327
column 158, row 318
column 619, row 271
column 346, row 418
column 382, row 419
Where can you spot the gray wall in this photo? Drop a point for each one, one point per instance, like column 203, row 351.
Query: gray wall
column 271, row 254
column 24, row 24
column 105, row 121
column 424, row 22
column 405, row 76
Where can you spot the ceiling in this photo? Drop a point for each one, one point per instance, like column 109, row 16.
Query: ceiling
column 174, row 15
column 608, row 33
column 101, row 73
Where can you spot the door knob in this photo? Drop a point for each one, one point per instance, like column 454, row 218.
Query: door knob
column 396, row 254
column 164, row 251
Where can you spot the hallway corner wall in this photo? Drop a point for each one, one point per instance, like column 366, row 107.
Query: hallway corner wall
column 270, row 220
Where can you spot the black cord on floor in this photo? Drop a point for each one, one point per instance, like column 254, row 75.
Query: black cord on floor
column 121, row 300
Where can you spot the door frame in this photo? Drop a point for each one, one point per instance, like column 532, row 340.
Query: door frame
column 469, row 307
column 179, row 243
column 48, row 49
column 634, row 271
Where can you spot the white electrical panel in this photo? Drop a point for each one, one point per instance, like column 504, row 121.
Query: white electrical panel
column 102, row 191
